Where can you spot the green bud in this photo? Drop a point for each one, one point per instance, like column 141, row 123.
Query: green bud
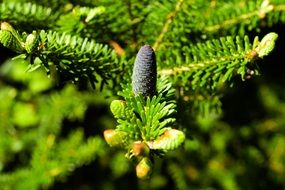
column 267, row 44
column 144, row 168
column 31, row 42
column 10, row 38
column 115, row 137
column 7, row 27
column 118, row 108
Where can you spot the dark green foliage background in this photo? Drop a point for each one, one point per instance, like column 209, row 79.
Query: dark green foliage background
column 51, row 129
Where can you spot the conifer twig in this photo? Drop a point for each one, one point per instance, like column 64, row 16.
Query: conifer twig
column 132, row 18
column 263, row 10
column 166, row 25
column 181, row 69
column 116, row 46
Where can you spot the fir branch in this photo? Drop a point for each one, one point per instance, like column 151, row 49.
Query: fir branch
column 145, row 126
column 81, row 21
column 215, row 62
column 248, row 15
column 71, row 103
column 132, row 17
column 142, row 119
column 126, row 30
column 137, row 13
column 169, row 20
column 23, row 14
column 54, row 4
column 277, row 15
column 51, row 161
column 76, row 58
column 220, row 19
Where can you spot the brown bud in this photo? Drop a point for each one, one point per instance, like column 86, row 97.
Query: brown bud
column 140, row 149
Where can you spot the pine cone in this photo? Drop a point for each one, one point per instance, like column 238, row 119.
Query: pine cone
column 144, row 72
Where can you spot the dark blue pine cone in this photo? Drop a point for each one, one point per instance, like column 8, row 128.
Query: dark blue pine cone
column 144, row 72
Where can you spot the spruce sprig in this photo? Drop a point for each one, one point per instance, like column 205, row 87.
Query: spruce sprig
column 145, row 116
column 251, row 15
column 215, row 62
column 75, row 57
column 146, row 123
column 145, row 120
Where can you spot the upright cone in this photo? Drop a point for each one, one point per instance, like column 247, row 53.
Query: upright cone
column 145, row 72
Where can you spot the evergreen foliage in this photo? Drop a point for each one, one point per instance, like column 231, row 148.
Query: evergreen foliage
column 189, row 112
column 23, row 14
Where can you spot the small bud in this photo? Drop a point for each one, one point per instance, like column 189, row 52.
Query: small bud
column 140, row 149
column 145, row 72
column 115, row 137
column 9, row 41
column 144, row 168
column 118, row 108
column 170, row 140
column 267, row 44
column 6, row 26
column 10, row 38
column 31, row 42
